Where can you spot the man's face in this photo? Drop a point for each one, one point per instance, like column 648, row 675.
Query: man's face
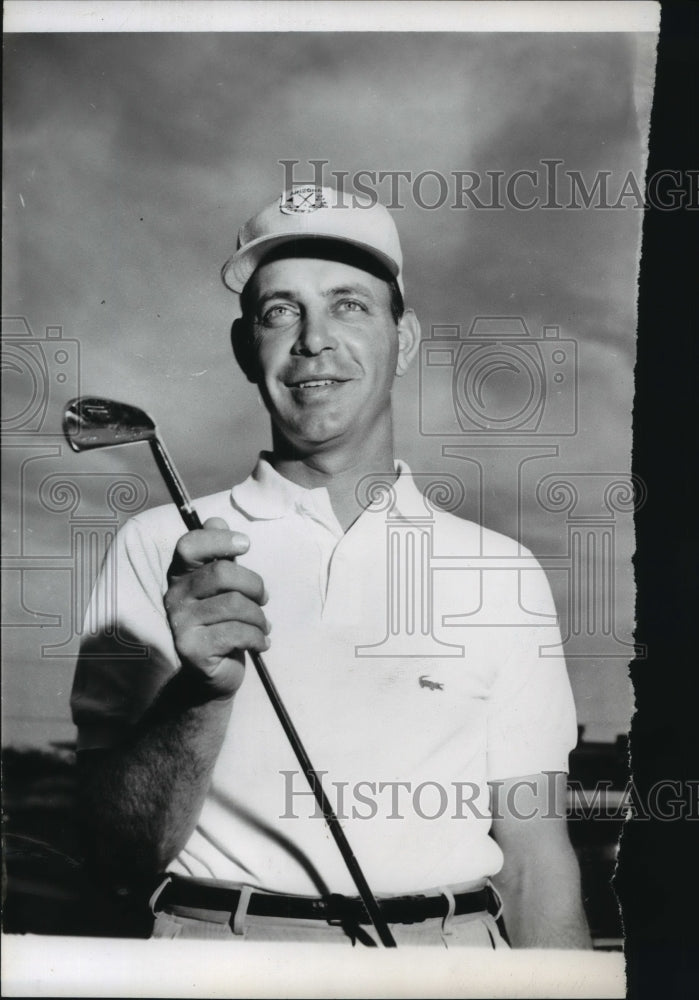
column 325, row 348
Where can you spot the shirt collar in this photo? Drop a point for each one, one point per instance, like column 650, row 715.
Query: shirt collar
column 267, row 495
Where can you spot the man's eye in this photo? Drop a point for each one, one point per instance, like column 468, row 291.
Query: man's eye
column 352, row 305
column 277, row 314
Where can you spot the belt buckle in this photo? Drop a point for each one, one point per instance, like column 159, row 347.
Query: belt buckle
column 408, row 902
column 347, row 921
column 339, row 905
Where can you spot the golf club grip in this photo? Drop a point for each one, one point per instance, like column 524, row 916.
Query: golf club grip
column 193, row 523
column 191, row 519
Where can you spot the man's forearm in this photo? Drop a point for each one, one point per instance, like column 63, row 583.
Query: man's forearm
column 543, row 909
column 141, row 800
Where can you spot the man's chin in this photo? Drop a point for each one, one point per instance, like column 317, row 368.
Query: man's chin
column 311, row 439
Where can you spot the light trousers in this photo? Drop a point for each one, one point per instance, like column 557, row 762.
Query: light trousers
column 478, row 930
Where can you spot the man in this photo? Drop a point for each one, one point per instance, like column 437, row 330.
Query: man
column 319, row 559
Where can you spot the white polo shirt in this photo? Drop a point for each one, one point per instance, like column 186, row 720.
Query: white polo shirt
column 418, row 656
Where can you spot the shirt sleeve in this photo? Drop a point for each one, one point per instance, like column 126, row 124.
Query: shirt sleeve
column 127, row 652
column 531, row 713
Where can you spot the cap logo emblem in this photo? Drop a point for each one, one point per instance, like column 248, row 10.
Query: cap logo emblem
column 301, row 199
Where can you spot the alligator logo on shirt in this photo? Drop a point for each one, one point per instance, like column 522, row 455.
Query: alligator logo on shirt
column 425, row 682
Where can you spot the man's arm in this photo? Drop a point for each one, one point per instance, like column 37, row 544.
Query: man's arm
column 141, row 800
column 540, row 879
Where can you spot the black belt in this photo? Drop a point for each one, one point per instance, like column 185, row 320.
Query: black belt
column 334, row 908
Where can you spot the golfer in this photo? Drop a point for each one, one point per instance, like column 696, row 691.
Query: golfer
column 442, row 739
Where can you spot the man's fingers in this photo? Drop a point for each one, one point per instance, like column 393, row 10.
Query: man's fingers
column 215, row 522
column 213, row 603
column 232, row 606
column 220, row 577
column 206, row 645
column 229, row 636
column 214, row 541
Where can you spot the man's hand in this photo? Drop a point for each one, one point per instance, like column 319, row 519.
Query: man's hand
column 214, row 607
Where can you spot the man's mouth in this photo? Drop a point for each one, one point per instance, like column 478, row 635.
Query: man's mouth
column 314, row 383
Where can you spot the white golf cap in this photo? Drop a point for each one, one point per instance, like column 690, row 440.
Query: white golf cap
column 310, row 212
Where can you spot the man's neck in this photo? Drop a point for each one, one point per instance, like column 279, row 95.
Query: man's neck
column 340, row 471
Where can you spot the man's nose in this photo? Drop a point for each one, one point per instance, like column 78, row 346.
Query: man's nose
column 315, row 334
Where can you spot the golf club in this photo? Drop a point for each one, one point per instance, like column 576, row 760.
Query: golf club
column 92, row 422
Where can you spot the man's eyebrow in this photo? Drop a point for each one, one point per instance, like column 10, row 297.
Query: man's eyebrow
column 276, row 293
column 357, row 289
column 285, row 293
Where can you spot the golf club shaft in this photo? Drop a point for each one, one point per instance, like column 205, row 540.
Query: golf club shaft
column 192, row 521
column 331, row 819
column 174, row 483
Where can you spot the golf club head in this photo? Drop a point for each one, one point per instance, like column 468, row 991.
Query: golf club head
column 93, row 422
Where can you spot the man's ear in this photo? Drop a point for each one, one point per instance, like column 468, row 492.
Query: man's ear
column 242, row 348
column 408, row 340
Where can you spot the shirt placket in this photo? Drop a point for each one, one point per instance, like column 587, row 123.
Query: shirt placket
column 324, row 535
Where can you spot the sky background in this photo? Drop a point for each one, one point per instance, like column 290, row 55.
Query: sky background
column 130, row 163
